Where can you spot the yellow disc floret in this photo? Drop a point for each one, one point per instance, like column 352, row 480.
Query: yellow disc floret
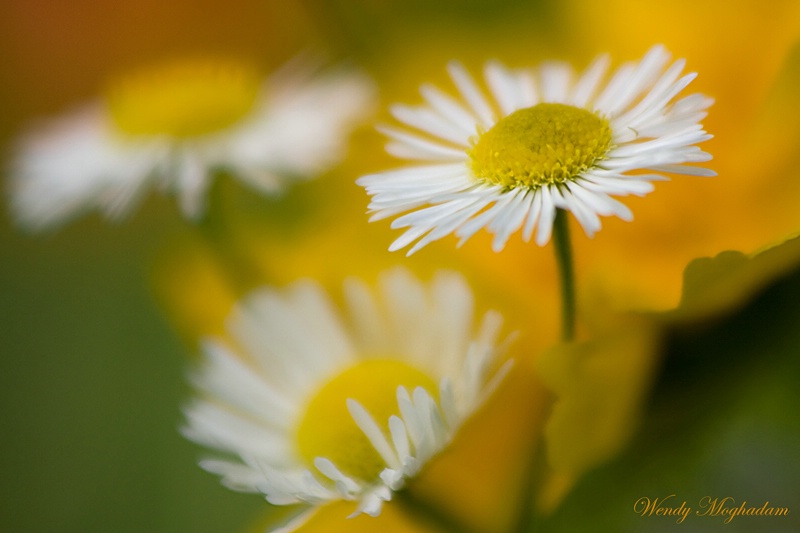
column 545, row 144
column 184, row 99
column 327, row 428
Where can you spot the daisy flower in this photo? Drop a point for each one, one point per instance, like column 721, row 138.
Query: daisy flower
column 542, row 142
column 311, row 407
column 173, row 125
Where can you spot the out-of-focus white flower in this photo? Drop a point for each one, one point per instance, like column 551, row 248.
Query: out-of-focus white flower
column 174, row 125
column 310, row 408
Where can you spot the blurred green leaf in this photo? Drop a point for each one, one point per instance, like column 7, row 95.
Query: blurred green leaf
column 713, row 286
column 599, row 386
column 722, row 418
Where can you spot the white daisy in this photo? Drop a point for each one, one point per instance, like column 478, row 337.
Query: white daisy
column 542, row 142
column 312, row 409
column 173, row 125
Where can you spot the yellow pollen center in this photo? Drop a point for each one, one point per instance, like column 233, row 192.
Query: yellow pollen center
column 327, row 428
column 541, row 145
column 185, row 99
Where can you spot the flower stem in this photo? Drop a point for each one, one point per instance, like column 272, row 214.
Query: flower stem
column 566, row 272
column 432, row 514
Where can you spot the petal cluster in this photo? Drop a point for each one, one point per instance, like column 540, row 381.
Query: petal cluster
column 653, row 132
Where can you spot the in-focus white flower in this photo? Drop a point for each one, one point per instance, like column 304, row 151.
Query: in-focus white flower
column 174, row 125
column 544, row 141
column 311, row 407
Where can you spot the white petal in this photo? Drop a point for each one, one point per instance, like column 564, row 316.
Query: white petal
column 366, row 316
column 481, row 220
column 505, row 88
column 587, row 85
column 683, row 169
column 367, row 424
column 555, row 81
column 371, row 504
column 400, row 438
column 412, row 421
column 448, row 402
column 469, row 89
column 532, row 217
column 585, row 215
column 634, row 81
column 546, row 217
column 600, row 202
column 347, row 486
column 413, row 147
column 510, row 220
column 449, row 109
column 430, row 122
column 229, row 379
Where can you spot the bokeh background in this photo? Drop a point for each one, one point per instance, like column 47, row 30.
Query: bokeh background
column 99, row 321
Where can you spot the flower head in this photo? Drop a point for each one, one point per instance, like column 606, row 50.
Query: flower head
column 174, row 125
column 315, row 409
column 544, row 142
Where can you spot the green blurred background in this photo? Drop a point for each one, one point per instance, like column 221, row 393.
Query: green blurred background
column 91, row 374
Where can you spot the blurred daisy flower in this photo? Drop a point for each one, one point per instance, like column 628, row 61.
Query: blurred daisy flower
column 311, row 409
column 558, row 143
column 173, row 125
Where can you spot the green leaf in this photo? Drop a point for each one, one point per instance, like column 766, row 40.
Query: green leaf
column 721, row 420
column 719, row 285
column 599, row 386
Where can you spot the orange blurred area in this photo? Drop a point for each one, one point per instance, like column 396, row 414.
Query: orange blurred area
column 57, row 54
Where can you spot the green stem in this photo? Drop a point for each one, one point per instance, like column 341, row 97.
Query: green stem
column 431, row 514
column 563, row 250
column 529, row 520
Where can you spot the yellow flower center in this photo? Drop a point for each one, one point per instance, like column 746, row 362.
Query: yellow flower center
column 545, row 144
column 184, row 99
column 327, row 428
